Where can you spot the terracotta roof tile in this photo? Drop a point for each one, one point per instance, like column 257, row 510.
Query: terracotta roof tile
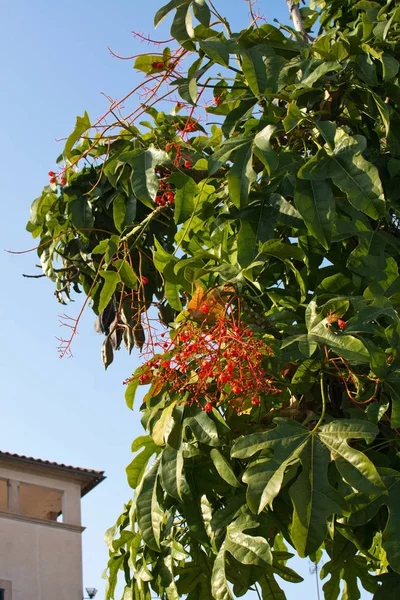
column 94, row 476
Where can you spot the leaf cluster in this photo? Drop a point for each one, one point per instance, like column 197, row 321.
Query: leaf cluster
column 290, row 195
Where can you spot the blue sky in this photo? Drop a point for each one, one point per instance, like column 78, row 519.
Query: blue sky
column 55, row 64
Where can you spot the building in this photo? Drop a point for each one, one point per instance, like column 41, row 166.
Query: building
column 40, row 528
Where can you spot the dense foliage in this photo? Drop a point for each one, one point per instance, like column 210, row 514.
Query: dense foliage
column 258, row 221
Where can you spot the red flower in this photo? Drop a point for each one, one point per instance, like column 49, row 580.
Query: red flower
column 208, row 407
column 236, row 389
column 187, row 164
column 157, row 65
column 63, row 181
column 341, row 324
column 53, row 180
column 145, row 280
column 145, row 378
column 160, row 200
column 51, row 173
column 165, row 364
column 223, row 378
column 205, row 308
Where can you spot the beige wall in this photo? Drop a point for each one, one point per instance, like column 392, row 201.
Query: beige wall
column 43, row 562
column 41, row 558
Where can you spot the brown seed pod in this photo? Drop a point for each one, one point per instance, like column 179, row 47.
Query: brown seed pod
column 107, row 354
column 138, row 335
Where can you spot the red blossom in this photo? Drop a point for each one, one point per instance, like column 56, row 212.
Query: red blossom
column 214, row 365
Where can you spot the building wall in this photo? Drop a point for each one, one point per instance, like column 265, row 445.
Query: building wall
column 42, row 561
column 40, row 557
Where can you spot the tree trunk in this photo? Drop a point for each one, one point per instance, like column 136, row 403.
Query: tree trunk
column 296, row 17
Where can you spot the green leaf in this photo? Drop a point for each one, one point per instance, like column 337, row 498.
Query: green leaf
column 254, row 69
column 282, row 251
column 270, row 589
column 81, row 213
column 263, row 149
column 181, row 28
column 288, row 215
column 202, row 426
column 163, row 426
column 172, row 471
column 283, row 571
column 366, row 69
column 131, row 391
column 346, row 346
column 166, row 9
column 224, row 468
column 81, row 126
column 149, row 513
column 126, row 273
column 144, row 62
column 391, row 533
column 366, row 508
column 354, row 466
column 247, row 549
column 124, row 211
column 256, row 226
column 219, row 585
column 314, row 499
column 216, row 49
column 186, row 190
column 161, row 257
column 201, row 12
column 293, row 118
column 136, row 469
column 223, row 154
column 241, row 175
column 264, row 476
column 318, row 72
column 111, row 280
column 144, row 181
column 331, row 587
column 172, row 287
column 113, row 567
column 315, row 202
column 390, row 66
column 350, row 172
column 392, row 384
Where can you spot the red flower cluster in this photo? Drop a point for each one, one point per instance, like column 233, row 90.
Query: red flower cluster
column 165, row 195
column 53, row 178
column 213, row 365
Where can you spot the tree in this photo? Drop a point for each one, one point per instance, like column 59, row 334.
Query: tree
column 258, row 223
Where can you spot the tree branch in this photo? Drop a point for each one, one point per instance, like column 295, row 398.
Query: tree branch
column 296, row 17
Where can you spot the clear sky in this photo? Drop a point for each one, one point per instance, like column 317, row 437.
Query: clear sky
column 54, row 65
